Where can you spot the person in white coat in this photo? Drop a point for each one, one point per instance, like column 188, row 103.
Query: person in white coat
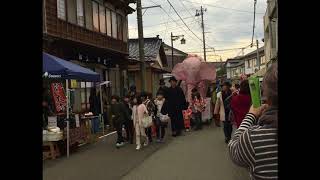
column 222, row 109
column 139, row 110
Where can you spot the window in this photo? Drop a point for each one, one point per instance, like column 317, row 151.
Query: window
column 61, row 8
column 248, row 63
column 80, row 14
column 119, row 28
column 114, row 25
column 102, row 18
column 108, row 21
column 95, row 12
column 254, row 62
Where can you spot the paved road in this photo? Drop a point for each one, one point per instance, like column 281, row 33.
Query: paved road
column 198, row 155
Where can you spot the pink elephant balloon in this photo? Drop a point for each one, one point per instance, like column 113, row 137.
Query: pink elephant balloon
column 194, row 71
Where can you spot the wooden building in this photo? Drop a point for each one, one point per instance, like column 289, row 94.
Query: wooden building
column 92, row 33
column 156, row 63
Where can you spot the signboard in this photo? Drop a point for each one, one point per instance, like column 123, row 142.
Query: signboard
column 59, row 97
column 74, row 83
column 77, row 120
column 52, row 121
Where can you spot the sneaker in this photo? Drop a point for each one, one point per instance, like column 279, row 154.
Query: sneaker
column 161, row 140
column 158, row 140
column 120, row 144
column 145, row 143
column 138, row 147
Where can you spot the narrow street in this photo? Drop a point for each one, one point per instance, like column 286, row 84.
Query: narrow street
column 196, row 155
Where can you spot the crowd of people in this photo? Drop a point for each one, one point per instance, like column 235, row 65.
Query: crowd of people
column 254, row 142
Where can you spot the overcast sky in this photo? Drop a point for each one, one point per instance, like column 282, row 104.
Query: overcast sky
column 228, row 23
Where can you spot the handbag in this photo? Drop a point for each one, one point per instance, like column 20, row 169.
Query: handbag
column 164, row 118
column 147, row 121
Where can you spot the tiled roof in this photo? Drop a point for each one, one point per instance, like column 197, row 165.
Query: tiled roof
column 151, row 48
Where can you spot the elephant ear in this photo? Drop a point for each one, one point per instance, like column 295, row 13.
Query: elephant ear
column 179, row 72
column 207, row 72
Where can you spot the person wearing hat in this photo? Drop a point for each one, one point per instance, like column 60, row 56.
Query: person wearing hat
column 176, row 104
column 222, row 109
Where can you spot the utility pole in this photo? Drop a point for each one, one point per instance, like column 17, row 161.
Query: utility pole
column 173, row 38
column 172, row 64
column 203, row 34
column 141, row 46
column 258, row 57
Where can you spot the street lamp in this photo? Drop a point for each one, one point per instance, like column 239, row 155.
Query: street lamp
column 173, row 38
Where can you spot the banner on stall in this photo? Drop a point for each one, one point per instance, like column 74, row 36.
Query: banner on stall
column 59, row 97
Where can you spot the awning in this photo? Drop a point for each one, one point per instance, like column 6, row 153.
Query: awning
column 57, row 68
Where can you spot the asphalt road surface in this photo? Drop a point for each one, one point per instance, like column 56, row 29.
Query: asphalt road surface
column 198, row 155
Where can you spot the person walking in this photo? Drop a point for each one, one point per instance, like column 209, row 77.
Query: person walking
column 163, row 88
column 197, row 106
column 120, row 115
column 95, row 108
column 240, row 104
column 147, row 101
column 161, row 110
column 128, row 124
column 255, row 143
column 139, row 110
column 222, row 109
column 213, row 103
column 176, row 103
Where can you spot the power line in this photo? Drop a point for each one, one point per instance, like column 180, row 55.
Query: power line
column 184, row 22
column 215, row 6
column 163, row 23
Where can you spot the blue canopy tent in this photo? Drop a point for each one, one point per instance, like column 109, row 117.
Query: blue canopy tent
column 57, row 68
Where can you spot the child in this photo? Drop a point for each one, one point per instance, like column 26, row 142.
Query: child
column 187, row 117
column 160, row 126
column 197, row 106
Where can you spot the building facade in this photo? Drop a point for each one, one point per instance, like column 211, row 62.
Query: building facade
column 156, row 63
column 252, row 65
column 246, row 65
column 93, row 34
column 271, row 31
column 234, row 67
column 178, row 55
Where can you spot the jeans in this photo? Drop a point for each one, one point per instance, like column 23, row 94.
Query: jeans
column 95, row 125
column 129, row 130
column 198, row 120
column 119, row 131
column 148, row 132
column 227, row 129
column 160, row 131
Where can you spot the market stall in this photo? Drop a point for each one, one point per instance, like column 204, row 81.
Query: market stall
column 58, row 70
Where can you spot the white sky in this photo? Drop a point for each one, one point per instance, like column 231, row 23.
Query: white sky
column 227, row 28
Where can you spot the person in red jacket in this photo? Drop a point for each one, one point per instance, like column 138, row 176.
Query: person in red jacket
column 240, row 104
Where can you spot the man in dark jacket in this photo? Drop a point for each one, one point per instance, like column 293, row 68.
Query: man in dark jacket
column 176, row 102
column 120, row 115
column 226, row 97
column 95, row 108
column 129, row 123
